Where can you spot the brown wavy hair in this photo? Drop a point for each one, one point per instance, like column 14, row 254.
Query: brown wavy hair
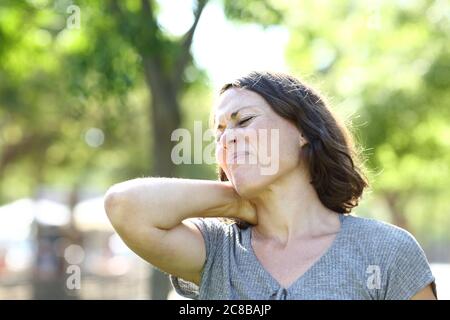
column 334, row 164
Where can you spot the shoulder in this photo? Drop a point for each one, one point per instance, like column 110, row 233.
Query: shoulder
column 392, row 260
column 213, row 226
column 372, row 228
column 381, row 237
column 216, row 231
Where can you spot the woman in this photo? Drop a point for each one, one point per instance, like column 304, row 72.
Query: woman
column 286, row 234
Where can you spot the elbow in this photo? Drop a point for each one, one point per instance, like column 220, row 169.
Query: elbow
column 115, row 203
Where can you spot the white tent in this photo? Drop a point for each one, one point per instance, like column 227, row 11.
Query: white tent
column 90, row 215
column 16, row 217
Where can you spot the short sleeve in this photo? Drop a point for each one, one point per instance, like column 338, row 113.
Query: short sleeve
column 409, row 270
column 213, row 232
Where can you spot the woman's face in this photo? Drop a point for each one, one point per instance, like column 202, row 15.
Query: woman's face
column 254, row 145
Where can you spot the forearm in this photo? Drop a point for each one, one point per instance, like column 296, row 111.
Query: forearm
column 165, row 202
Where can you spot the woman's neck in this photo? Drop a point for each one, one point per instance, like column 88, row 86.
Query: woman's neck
column 289, row 209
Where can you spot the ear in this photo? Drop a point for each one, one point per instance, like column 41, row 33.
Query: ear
column 302, row 140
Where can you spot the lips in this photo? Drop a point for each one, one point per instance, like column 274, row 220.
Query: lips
column 237, row 155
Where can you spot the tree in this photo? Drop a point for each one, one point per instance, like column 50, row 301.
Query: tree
column 164, row 59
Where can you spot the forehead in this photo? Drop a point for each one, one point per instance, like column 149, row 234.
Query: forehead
column 234, row 99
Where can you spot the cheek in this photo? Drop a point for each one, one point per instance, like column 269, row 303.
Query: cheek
column 289, row 150
column 271, row 140
column 220, row 156
column 284, row 146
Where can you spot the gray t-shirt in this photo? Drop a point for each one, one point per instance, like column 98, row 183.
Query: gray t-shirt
column 368, row 259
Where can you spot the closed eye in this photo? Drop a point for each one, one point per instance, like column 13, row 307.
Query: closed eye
column 243, row 121
column 240, row 123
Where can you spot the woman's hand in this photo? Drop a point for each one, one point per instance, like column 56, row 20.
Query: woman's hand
column 235, row 207
column 246, row 211
column 241, row 208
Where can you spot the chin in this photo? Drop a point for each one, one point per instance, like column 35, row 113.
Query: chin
column 248, row 182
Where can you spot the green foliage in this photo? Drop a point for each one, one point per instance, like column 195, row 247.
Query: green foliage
column 384, row 64
column 265, row 13
column 386, row 68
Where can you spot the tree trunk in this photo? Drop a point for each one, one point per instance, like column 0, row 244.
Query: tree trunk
column 164, row 119
column 164, row 85
column 398, row 216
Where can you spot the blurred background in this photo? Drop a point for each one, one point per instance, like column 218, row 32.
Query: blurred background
column 90, row 92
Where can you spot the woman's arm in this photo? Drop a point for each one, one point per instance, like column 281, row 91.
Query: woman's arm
column 148, row 215
column 425, row 294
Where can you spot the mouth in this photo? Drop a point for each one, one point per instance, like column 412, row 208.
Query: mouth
column 237, row 155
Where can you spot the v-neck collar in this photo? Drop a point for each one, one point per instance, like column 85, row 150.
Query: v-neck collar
column 274, row 283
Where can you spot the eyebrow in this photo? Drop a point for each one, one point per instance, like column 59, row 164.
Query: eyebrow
column 234, row 114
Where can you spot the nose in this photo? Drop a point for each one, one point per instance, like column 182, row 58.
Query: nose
column 227, row 138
